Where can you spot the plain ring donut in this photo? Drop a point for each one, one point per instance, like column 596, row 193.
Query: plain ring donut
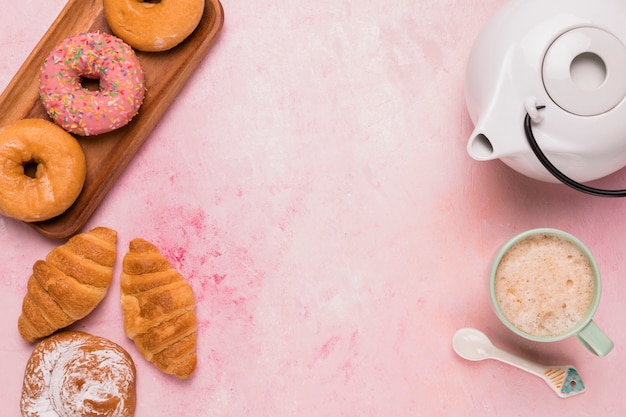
column 100, row 57
column 42, row 170
column 153, row 25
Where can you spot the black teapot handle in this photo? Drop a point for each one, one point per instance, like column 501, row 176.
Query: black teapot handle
column 530, row 137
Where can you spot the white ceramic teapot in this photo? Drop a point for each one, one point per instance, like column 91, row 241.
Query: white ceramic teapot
column 558, row 66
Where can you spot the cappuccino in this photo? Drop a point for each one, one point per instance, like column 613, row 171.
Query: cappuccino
column 544, row 285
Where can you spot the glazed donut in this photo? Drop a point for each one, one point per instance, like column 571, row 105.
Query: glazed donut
column 58, row 162
column 153, row 25
column 95, row 56
column 76, row 374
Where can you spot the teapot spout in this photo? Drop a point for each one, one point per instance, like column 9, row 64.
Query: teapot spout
column 480, row 147
column 497, row 110
column 499, row 132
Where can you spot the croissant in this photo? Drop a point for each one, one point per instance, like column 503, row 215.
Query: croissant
column 69, row 284
column 158, row 306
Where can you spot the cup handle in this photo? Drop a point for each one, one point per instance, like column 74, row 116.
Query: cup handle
column 595, row 339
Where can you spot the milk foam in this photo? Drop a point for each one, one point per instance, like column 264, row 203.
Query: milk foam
column 544, row 285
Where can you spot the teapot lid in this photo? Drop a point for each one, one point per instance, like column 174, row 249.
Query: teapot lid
column 583, row 71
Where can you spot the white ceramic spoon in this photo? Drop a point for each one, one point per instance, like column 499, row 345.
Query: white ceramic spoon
column 474, row 345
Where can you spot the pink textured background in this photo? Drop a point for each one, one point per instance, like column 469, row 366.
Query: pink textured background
column 311, row 182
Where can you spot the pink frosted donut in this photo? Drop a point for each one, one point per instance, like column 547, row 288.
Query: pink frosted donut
column 92, row 56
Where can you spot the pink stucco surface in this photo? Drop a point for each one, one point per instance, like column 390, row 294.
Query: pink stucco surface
column 312, row 184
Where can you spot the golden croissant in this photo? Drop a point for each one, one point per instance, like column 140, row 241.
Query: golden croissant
column 69, row 284
column 159, row 309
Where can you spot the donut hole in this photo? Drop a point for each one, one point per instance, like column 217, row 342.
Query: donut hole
column 148, row 4
column 30, row 168
column 90, row 83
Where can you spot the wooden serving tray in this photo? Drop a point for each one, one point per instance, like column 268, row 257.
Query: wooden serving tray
column 107, row 154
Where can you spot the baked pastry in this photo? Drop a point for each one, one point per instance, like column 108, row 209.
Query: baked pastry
column 96, row 56
column 69, row 284
column 153, row 26
column 159, row 309
column 58, row 164
column 77, row 374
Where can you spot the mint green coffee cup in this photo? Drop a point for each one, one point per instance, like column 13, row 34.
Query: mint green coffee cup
column 545, row 286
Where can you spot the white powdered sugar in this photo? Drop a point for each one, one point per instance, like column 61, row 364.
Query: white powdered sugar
column 77, row 377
